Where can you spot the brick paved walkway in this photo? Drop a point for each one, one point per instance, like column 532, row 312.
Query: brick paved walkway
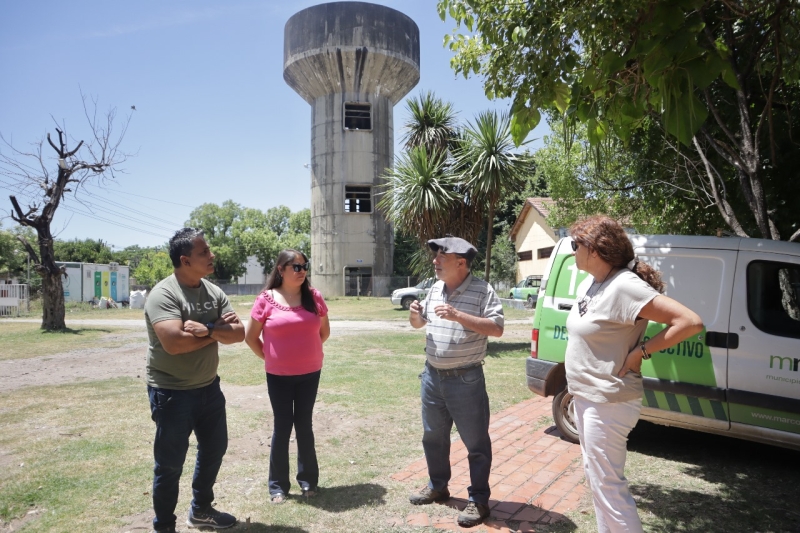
column 536, row 476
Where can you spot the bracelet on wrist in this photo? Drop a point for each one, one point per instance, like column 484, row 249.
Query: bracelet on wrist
column 645, row 354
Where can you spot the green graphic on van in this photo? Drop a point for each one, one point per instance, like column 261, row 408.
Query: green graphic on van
column 791, row 364
column 680, row 403
column 769, row 418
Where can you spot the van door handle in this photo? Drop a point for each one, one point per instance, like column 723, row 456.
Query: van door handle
column 564, row 307
column 718, row 339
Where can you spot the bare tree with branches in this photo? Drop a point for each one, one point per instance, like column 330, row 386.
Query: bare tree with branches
column 96, row 160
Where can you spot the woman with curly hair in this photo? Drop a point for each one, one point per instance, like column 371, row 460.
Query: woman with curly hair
column 604, row 357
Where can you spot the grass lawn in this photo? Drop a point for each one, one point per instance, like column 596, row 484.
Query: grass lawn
column 79, row 457
column 21, row 340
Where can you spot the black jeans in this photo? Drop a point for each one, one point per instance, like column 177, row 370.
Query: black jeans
column 292, row 399
column 177, row 413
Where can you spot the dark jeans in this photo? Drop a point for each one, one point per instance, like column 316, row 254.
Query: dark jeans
column 177, row 413
column 463, row 400
column 292, row 399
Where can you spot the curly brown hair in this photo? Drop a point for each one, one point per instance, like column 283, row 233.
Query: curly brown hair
column 606, row 236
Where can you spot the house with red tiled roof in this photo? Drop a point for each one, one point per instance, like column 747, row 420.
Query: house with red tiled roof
column 533, row 237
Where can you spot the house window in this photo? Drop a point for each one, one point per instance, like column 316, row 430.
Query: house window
column 357, row 199
column 357, row 116
column 525, row 256
column 544, row 253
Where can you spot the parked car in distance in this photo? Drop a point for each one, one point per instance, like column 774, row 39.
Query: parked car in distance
column 527, row 289
column 404, row 297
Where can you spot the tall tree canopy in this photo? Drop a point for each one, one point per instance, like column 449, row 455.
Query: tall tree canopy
column 450, row 179
column 491, row 167
column 719, row 76
column 83, row 251
column 234, row 233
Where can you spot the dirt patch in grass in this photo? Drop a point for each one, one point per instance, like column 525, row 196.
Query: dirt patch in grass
column 86, row 364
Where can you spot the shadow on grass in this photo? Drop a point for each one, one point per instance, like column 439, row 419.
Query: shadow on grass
column 258, row 527
column 500, row 349
column 70, row 331
column 347, row 497
column 755, row 485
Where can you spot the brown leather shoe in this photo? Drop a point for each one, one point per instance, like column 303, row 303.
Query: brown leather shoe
column 428, row 495
column 473, row 514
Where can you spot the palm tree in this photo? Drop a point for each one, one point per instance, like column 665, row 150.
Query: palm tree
column 432, row 123
column 419, row 197
column 489, row 166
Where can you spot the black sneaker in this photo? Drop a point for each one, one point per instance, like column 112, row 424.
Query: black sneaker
column 428, row 495
column 473, row 514
column 210, row 517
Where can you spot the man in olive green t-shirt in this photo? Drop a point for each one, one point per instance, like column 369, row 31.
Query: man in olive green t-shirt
column 187, row 317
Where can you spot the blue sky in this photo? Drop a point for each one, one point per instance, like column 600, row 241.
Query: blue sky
column 214, row 119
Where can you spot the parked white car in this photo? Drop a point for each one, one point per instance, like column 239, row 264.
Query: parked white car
column 404, row 297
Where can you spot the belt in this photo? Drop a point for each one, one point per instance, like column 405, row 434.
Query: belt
column 453, row 372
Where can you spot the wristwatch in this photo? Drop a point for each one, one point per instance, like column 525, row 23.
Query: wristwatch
column 210, row 328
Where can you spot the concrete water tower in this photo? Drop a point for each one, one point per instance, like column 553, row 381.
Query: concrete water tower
column 352, row 61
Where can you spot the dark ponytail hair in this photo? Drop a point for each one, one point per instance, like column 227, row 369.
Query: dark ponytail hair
column 606, row 236
column 275, row 279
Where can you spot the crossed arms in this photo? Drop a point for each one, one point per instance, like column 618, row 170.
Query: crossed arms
column 178, row 337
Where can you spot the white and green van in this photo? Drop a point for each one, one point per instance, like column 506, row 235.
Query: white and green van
column 739, row 377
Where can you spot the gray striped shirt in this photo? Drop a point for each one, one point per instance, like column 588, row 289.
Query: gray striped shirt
column 449, row 344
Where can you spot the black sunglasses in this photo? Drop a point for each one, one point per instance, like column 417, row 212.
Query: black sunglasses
column 298, row 268
column 574, row 246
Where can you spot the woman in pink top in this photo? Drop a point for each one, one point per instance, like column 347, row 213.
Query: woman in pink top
column 288, row 324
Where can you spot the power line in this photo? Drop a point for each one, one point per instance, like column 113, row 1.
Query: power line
column 157, row 199
column 114, row 223
column 172, row 223
column 92, row 207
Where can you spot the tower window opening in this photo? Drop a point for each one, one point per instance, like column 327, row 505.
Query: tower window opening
column 357, row 116
column 357, row 199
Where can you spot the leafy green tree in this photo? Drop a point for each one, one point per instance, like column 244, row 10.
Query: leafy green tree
column 133, row 254
column 720, row 78
column 234, row 233
column 504, row 262
column 82, row 251
column 300, row 222
column 491, row 166
column 217, row 222
column 13, row 255
column 152, row 268
column 640, row 183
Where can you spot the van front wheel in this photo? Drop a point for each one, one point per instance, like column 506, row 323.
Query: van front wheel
column 406, row 302
column 564, row 416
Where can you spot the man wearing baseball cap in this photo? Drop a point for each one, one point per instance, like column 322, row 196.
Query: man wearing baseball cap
column 460, row 312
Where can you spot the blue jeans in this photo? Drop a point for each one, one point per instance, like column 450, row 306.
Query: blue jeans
column 463, row 400
column 177, row 413
column 292, row 399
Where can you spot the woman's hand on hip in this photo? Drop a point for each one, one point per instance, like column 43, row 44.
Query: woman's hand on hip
column 633, row 363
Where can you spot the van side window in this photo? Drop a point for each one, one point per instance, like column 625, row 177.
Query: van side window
column 773, row 297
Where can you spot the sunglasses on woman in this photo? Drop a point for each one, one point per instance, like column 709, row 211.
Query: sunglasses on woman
column 298, row 268
column 574, row 246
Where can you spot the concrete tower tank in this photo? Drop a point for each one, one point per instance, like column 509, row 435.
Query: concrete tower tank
column 352, row 61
